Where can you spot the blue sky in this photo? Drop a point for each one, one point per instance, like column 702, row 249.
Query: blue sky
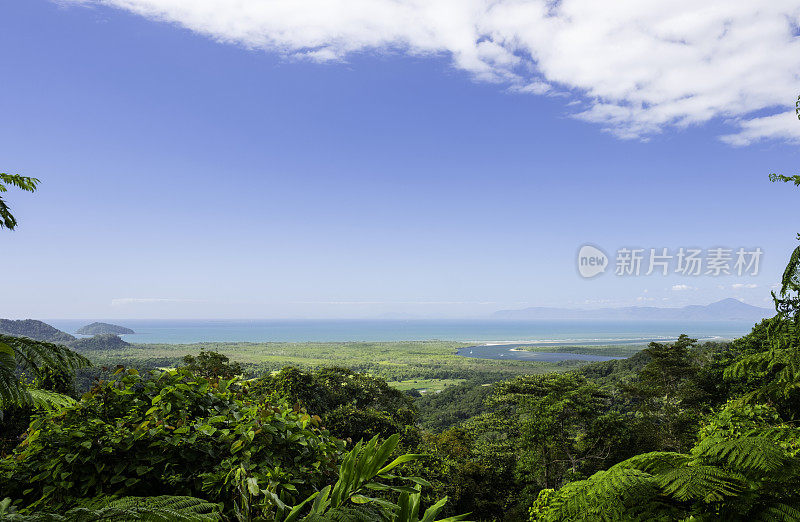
column 191, row 173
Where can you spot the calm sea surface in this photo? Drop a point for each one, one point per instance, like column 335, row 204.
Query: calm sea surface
column 480, row 331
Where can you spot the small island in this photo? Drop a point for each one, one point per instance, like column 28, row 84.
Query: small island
column 104, row 328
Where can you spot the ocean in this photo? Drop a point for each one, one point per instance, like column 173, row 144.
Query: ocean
column 478, row 331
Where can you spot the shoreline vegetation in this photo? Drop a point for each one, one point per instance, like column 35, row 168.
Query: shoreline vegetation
column 420, row 365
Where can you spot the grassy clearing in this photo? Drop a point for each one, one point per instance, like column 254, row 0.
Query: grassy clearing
column 425, row 385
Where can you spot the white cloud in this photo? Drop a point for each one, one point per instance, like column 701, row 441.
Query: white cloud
column 681, row 288
column 781, row 126
column 123, row 301
column 738, row 286
column 637, row 66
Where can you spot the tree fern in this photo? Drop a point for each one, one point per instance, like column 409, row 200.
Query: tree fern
column 34, row 358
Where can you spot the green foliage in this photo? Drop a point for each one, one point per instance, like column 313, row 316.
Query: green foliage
column 534, row 432
column 458, row 468
column 7, row 220
column 453, row 405
column 563, row 423
column 37, row 360
column 353, row 406
column 174, row 434
column 145, row 509
column 776, row 368
column 391, row 361
column 212, row 365
column 99, row 342
column 723, row 478
column 34, row 329
column 363, row 473
column 666, row 394
column 103, row 328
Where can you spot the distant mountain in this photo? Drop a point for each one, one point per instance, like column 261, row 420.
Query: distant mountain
column 103, row 328
column 35, row 330
column 98, row 342
column 725, row 310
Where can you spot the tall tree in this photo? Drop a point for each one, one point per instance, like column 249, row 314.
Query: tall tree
column 665, row 394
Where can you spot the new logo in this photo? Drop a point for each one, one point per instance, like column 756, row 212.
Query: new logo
column 591, row 261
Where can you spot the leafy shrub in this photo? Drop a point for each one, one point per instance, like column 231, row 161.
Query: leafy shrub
column 363, row 476
column 173, row 434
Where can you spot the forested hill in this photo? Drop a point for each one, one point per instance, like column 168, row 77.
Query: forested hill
column 99, row 342
column 35, row 330
column 104, row 328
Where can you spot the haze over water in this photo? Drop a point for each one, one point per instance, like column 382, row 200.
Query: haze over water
column 534, row 332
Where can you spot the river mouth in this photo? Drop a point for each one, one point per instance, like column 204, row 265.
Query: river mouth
column 518, row 352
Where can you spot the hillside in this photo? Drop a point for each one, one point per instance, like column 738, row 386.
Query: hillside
column 104, row 328
column 724, row 310
column 35, row 330
column 99, row 342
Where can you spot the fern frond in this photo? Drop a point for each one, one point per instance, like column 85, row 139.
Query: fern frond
column 35, row 356
column 777, row 513
column 48, row 400
column 699, row 482
column 759, row 454
column 164, row 508
column 606, row 495
column 12, row 391
column 656, row 461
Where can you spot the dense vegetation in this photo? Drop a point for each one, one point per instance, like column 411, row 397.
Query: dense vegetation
column 34, row 329
column 103, row 328
column 408, row 365
column 99, row 342
column 678, row 430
